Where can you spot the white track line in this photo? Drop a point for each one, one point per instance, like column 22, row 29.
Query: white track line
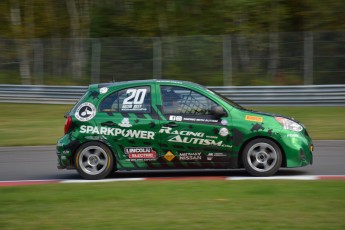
column 101, row 181
column 275, row 178
column 32, row 182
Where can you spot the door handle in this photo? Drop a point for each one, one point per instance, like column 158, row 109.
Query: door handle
column 171, row 124
column 108, row 123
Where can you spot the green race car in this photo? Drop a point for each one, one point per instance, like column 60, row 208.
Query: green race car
column 167, row 124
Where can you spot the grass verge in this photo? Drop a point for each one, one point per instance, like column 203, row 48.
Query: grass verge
column 35, row 124
column 323, row 123
column 31, row 124
column 176, row 205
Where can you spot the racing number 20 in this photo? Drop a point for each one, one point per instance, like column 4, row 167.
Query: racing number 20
column 136, row 97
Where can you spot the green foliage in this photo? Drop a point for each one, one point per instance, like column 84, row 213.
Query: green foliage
column 247, row 21
column 51, row 18
column 9, row 77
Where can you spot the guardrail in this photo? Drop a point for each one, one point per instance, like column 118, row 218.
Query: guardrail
column 311, row 95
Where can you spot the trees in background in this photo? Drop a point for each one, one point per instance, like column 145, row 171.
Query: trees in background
column 29, row 21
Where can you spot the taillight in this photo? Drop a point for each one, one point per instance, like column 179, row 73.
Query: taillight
column 68, row 124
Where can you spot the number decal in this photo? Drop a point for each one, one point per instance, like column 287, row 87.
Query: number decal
column 140, row 96
column 132, row 93
column 134, row 100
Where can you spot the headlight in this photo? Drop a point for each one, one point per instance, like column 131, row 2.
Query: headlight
column 289, row 125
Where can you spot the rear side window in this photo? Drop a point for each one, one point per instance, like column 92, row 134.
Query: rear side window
column 130, row 100
column 110, row 103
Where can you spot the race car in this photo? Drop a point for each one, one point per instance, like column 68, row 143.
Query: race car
column 168, row 124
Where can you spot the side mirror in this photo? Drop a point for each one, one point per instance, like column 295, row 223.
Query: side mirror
column 218, row 112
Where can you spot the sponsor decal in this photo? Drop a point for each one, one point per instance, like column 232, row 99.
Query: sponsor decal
column 189, row 137
column 223, row 132
column 140, row 154
column 254, row 118
column 191, row 119
column 135, row 100
column 168, row 130
column 190, row 156
column 169, row 156
column 194, row 140
column 141, row 134
column 85, row 111
column 175, row 118
column 212, row 137
column 292, row 135
column 199, row 120
column 224, row 122
column 103, row 90
column 125, row 123
column 210, row 156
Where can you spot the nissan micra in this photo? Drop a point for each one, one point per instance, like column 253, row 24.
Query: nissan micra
column 167, row 124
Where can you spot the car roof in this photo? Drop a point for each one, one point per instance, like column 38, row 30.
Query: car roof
column 141, row 82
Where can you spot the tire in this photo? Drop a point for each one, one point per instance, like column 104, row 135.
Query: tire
column 94, row 161
column 262, row 157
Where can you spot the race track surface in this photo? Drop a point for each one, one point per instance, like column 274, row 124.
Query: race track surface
column 39, row 163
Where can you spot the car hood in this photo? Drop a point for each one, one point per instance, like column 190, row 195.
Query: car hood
column 273, row 115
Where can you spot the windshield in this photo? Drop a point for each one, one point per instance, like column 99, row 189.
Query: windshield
column 230, row 102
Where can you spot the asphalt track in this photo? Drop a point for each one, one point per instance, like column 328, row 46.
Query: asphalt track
column 39, row 163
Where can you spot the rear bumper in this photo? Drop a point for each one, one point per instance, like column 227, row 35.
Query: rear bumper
column 64, row 153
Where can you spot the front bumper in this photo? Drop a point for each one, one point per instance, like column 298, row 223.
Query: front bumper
column 298, row 149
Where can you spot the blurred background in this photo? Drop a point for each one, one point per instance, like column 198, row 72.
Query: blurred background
column 215, row 43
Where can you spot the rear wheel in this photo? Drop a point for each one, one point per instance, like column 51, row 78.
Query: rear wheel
column 94, row 161
column 262, row 157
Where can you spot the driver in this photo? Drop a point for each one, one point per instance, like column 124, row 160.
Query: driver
column 171, row 101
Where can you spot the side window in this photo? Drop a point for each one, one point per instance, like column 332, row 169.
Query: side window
column 135, row 100
column 179, row 100
column 110, row 103
column 130, row 100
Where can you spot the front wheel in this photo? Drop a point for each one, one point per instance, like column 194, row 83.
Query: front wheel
column 262, row 157
column 94, row 161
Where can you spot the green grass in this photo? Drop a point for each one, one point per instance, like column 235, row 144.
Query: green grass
column 176, row 205
column 31, row 124
column 323, row 123
column 35, row 124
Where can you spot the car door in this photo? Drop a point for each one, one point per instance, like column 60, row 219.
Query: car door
column 191, row 137
column 125, row 122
